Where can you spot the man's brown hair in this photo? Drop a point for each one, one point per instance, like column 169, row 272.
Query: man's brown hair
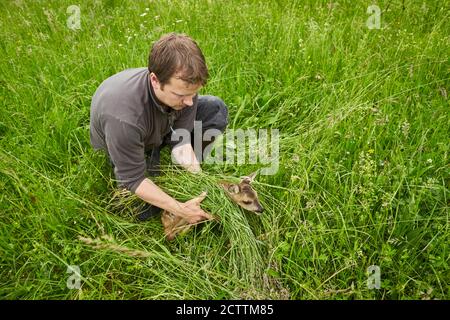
column 177, row 54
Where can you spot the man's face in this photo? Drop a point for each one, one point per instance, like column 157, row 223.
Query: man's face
column 176, row 94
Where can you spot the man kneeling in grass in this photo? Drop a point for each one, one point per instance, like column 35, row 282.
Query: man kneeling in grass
column 135, row 112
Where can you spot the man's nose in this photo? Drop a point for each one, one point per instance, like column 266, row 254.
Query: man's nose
column 188, row 102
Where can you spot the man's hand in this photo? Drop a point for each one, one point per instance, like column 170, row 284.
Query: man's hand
column 191, row 211
column 184, row 155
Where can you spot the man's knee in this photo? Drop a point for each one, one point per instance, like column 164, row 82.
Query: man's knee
column 212, row 112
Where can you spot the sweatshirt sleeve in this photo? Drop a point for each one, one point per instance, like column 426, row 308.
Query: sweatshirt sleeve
column 127, row 152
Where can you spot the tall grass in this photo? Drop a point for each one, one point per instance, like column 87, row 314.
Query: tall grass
column 363, row 175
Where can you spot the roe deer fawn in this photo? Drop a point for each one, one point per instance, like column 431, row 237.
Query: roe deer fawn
column 242, row 194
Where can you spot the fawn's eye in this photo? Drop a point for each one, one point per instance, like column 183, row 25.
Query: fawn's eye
column 246, row 202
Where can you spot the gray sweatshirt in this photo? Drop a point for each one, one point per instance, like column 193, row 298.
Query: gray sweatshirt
column 127, row 120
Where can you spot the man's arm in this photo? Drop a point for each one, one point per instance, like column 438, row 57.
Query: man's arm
column 151, row 193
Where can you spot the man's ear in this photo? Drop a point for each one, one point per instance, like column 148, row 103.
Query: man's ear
column 154, row 81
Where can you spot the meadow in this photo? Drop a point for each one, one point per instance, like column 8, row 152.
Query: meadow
column 363, row 178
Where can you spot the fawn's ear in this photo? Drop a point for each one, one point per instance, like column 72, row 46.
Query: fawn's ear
column 233, row 188
column 230, row 187
column 250, row 177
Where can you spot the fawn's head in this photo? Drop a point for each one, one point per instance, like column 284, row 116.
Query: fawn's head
column 243, row 193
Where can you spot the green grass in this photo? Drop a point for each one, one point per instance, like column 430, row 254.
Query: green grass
column 363, row 177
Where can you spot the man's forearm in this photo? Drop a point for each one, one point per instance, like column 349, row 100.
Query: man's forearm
column 151, row 193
